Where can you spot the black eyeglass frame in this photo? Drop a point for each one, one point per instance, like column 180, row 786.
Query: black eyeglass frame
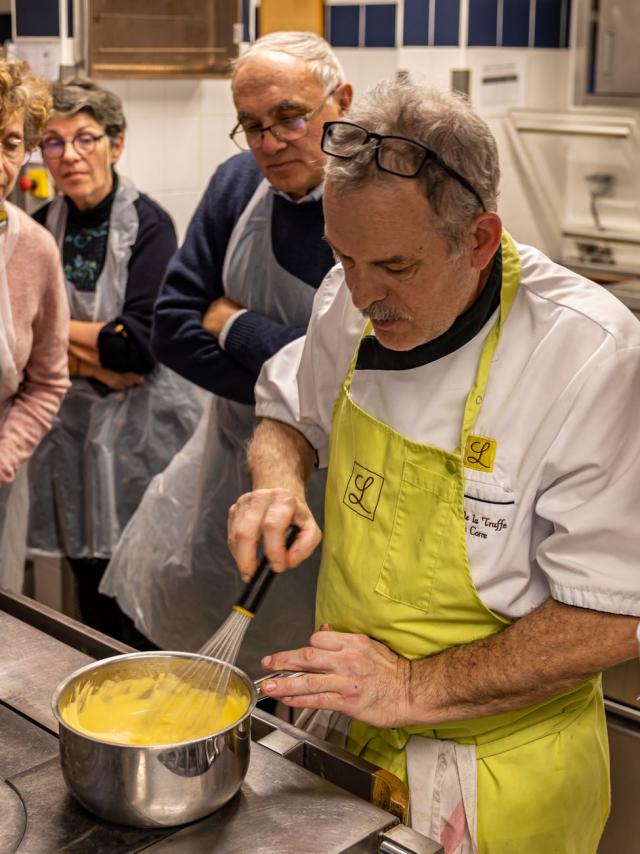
column 429, row 156
column 96, row 137
column 238, row 129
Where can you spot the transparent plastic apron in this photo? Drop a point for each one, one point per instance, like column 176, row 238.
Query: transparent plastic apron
column 173, row 572
column 90, row 472
column 395, row 567
column 14, row 496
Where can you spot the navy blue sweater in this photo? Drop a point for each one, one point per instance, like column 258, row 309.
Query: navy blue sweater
column 194, row 280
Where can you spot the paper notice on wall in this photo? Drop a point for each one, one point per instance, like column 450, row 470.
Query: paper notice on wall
column 499, row 87
column 42, row 56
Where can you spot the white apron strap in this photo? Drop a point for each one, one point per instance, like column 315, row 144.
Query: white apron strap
column 260, row 192
column 443, row 787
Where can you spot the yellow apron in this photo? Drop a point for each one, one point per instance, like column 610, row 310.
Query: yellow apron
column 395, row 567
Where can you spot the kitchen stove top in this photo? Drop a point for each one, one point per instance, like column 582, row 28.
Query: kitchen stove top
column 300, row 794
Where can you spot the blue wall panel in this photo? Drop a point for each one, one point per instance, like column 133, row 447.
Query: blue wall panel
column 380, row 25
column 35, row 18
column 447, row 22
column 345, row 26
column 551, row 24
column 483, row 22
column 515, row 23
column 548, row 23
column 245, row 20
column 416, row 22
column 5, row 28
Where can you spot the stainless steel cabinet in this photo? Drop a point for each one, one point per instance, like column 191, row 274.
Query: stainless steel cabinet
column 606, row 43
column 622, row 833
column 164, row 39
column 618, row 48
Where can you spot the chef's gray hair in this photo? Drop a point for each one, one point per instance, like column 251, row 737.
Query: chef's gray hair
column 315, row 51
column 78, row 94
column 444, row 123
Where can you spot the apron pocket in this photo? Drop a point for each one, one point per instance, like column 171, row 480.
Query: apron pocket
column 422, row 510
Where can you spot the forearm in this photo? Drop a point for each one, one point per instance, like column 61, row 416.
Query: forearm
column 546, row 652
column 542, row 654
column 84, row 354
column 280, row 457
column 28, row 420
column 280, row 461
column 85, row 333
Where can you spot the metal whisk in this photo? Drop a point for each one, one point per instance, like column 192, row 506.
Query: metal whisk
column 211, row 677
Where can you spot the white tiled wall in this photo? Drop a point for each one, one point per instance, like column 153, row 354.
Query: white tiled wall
column 178, row 130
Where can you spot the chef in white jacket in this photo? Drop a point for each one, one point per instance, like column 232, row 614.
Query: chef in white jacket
column 474, row 403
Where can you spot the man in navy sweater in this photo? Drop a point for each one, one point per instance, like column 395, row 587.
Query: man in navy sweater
column 240, row 288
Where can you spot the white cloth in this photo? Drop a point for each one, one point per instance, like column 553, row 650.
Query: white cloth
column 326, row 725
column 558, row 514
column 444, row 792
column 442, row 777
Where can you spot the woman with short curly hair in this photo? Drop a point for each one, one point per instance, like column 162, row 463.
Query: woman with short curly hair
column 34, row 317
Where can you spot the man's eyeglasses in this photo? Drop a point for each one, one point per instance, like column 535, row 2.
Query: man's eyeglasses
column 13, row 149
column 53, row 147
column 284, row 130
column 394, row 154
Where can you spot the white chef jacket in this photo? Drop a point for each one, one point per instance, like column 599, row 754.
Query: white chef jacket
column 557, row 516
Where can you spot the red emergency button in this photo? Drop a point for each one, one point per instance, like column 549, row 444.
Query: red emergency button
column 26, row 183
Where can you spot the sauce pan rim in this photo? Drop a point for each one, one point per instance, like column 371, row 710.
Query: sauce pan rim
column 96, row 665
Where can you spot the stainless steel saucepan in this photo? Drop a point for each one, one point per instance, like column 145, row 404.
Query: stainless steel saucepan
column 153, row 785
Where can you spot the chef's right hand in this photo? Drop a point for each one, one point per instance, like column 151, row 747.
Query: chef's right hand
column 265, row 515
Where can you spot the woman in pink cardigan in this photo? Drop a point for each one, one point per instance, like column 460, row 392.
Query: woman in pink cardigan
column 34, row 317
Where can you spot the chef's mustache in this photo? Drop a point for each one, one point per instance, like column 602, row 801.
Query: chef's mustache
column 381, row 311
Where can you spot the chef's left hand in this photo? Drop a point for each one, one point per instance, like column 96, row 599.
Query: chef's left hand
column 347, row 673
column 218, row 313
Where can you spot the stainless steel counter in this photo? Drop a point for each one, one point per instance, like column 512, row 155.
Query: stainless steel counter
column 300, row 794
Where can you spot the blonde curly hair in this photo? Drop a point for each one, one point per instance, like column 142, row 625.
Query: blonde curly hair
column 20, row 88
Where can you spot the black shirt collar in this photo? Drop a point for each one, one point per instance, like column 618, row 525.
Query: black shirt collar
column 372, row 356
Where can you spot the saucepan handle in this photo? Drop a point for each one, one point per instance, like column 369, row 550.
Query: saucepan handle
column 285, row 674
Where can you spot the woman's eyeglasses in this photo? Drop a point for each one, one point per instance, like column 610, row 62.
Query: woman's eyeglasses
column 394, row 154
column 53, row 147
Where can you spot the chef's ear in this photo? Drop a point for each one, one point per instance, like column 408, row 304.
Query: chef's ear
column 343, row 97
column 486, row 234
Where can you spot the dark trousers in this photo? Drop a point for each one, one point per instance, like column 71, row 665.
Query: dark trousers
column 102, row 612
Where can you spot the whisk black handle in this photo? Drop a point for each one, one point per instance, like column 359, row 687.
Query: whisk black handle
column 264, row 575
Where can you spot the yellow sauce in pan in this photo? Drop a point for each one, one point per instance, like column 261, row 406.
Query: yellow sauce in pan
column 152, row 710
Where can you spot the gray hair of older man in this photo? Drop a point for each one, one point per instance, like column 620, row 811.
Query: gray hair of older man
column 315, row 51
column 78, row 94
column 442, row 122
